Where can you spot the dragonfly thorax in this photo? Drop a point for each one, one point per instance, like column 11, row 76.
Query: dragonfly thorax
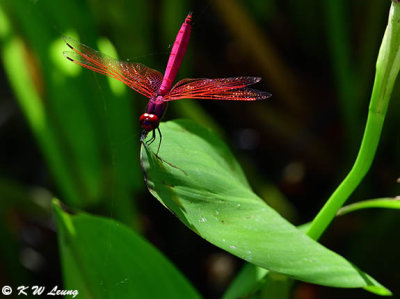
column 149, row 122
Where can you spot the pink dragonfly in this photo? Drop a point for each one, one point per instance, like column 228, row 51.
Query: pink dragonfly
column 153, row 85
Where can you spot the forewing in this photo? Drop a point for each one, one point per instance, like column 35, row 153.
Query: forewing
column 231, row 89
column 136, row 75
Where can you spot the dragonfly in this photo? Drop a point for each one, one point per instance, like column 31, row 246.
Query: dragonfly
column 158, row 87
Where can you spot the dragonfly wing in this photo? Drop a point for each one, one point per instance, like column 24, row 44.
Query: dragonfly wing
column 232, row 89
column 137, row 76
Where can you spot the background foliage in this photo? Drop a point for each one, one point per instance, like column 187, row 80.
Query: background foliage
column 69, row 133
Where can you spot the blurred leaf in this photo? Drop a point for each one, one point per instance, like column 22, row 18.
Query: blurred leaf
column 124, row 147
column 261, row 49
column 249, row 279
column 34, row 202
column 13, row 54
column 202, row 184
column 338, row 35
column 69, row 109
column 277, row 286
column 10, row 253
column 102, row 258
column 59, row 113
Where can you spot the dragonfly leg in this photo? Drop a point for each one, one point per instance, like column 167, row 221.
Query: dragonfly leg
column 159, row 144
column 152, row 138
column 156, row 154
column 170, row 164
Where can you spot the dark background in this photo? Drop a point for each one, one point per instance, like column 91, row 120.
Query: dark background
column 317, row 58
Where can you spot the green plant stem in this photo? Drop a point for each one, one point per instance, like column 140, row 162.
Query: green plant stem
column 387, row 69
column 382, row 203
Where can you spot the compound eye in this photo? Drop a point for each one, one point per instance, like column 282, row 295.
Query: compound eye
column 149, row 121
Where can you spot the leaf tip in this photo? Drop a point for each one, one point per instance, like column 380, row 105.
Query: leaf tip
column 378, row 290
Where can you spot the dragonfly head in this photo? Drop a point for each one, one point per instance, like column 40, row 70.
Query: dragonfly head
column 149, row 121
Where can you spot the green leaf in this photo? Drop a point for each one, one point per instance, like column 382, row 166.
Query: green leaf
column 102, row 258
column 251, row 277
column 199, row 180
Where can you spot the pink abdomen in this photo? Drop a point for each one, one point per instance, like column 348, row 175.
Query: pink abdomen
column 176, row 56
